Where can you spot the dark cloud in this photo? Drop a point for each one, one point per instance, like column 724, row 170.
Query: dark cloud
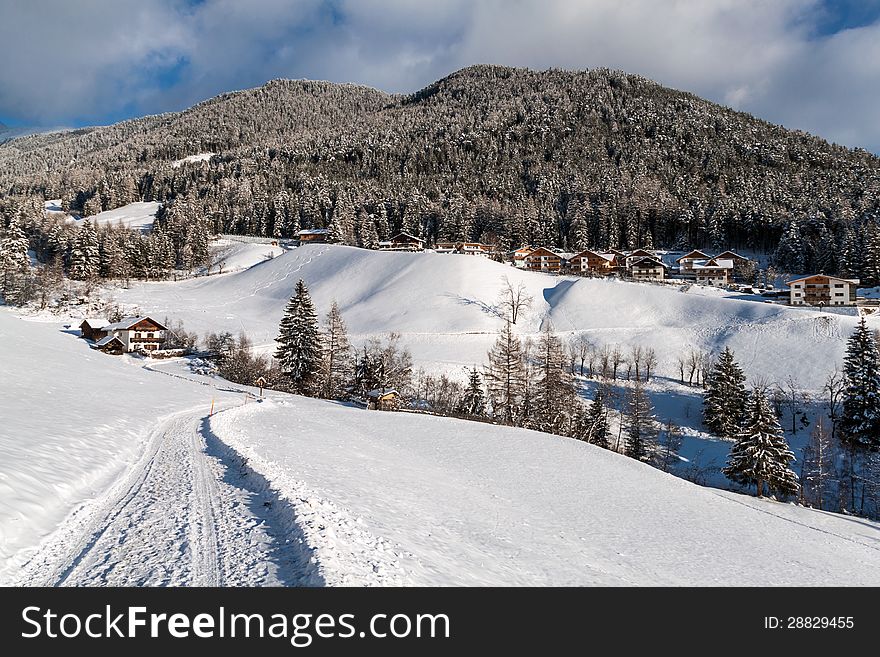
column 90, row 61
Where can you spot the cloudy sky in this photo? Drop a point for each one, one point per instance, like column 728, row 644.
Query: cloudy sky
column 808, row 64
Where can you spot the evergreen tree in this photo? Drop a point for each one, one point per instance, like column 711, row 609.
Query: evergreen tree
column 85, row 257
column 299, row 342
column 597, row 431
column 473, row 402
column 554, row 394
column 725, row 397
column 641, row 424
column 506, row 376
column 336, row 369
column 14, row 263
column 860, row 422
column 760, row 454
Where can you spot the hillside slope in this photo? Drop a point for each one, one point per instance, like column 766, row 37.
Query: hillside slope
column 435, row 501
column 443, row 307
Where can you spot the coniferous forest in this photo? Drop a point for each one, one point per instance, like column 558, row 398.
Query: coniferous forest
column 509, row 156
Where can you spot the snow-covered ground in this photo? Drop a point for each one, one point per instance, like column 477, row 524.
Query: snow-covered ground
column 134, row 216
column 401, row 498
column 229, row 255
column 201, row 157
column 444, row 308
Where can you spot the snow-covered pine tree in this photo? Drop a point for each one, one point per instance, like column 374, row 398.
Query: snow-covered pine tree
column 85, row 258
column 860, row 422
column 336, row 366
column 725, row 397
column 597, row 430
column 473, row 401
column 760, row 454
column 640, row 422
column 299, row 342
column 554, row 396
column 14, row 263
column 670, row 444
column 506, row 375
column 789, row 254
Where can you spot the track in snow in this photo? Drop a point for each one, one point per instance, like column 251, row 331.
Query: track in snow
column 190, row 512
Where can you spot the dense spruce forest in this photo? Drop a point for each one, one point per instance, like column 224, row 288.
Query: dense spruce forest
column 510, row 156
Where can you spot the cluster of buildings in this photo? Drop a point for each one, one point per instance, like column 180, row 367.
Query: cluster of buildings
column 639, row 265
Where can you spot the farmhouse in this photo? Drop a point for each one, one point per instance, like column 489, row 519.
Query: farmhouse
column 822, row 290
column 638, row 254
column 686, row 262
column 313, row 235
column 465, row 248
column 594, row 262
column 137, row 333
column 714, row 271
column 646, row 269
column 519, row 256
column 402, row 242
column 383, row 399
column 543, row 259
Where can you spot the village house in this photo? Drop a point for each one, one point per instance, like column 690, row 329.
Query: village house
column 822, row 290
column 309, row 235
column 646, row 269
column 593, row 262
column 402, row 242
column 686, row 262
column 383, row 399
column 543, row 259
column 638, row 254
column 92, row 328
column 131, row 334
column 519, row 256
column 716, row 272
column 465, row 248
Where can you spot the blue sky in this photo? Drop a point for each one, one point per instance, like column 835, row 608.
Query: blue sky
column 807, row 64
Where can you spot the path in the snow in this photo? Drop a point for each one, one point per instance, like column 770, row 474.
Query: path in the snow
column 190, row 512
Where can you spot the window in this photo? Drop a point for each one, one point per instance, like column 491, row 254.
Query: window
column 838, row 285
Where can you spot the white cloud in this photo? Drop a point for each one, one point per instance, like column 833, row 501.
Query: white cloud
column 60, row 60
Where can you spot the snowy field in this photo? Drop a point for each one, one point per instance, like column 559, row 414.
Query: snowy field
column 134, row 216
column 201, row 157
column 405, row 499
column 228, row 256
column 443, row 307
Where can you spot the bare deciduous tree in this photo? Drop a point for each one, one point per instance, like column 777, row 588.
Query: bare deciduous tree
column 513, row 299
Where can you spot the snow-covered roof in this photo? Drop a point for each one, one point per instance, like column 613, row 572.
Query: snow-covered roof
column 713, row 264
column 381, row 392
column 694, row 255
column 314, row 231
column 605, row 256
column 127, row 322
column 852, row 281
column 96, row 322
column 649, row 260
column 103, row 342
column 405, row 236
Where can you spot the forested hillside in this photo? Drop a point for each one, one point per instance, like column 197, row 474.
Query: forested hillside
column 569, row 159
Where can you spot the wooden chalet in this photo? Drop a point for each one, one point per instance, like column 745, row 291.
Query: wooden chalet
column 732, row 255
column 110, row 344
column 593, row 262
column 137, row 333
column 383, row 399
column 647, row 268
column 716, row 272
column 543, row 259
column 821, row 290
column 309, row 235
column 519, row 256
column 402, row 242
column 638, row 254
column 465, row 248
column 92, row 328
column 686, row 262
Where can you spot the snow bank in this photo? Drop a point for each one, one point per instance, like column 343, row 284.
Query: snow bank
column 71, row 420
column 461, row 503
